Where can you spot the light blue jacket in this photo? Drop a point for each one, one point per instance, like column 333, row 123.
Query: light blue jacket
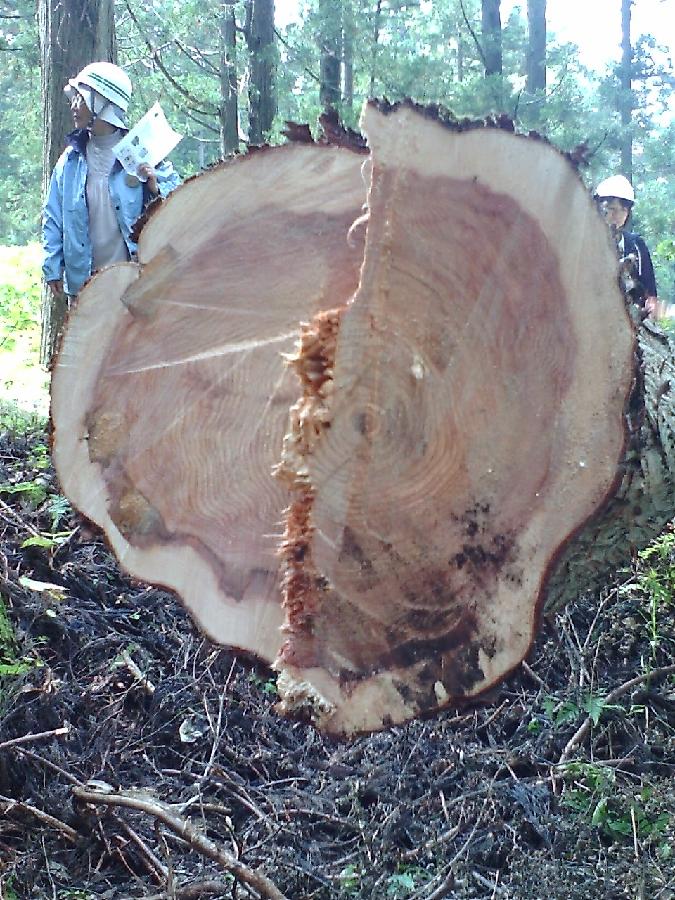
column 65, row 217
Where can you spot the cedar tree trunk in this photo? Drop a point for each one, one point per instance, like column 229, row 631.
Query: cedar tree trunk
column 536, row 46
column 492, row 36
column 329, row 47
column 229, row 107
column 72, row 34
column 465, row 430
column 261, row 103
column 626, row 91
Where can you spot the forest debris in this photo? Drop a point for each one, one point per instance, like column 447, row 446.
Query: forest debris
column 583, row 730
column 22, row 806
column 184, row 829
column 31, row 738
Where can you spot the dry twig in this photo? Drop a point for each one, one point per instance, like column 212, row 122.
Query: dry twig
column 21, row 806
column 30, row 738
column 185, row 830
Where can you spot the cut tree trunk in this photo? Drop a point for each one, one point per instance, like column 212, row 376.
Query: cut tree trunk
column 471, row 431
column 170, row 397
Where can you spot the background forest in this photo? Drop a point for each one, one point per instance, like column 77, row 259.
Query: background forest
column 226, row 73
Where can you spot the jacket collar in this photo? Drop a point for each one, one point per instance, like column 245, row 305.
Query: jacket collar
column 79, row 139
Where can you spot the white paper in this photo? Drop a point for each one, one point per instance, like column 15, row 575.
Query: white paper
column 149, row 141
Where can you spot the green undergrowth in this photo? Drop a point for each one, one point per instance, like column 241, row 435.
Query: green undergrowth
column 23, row 381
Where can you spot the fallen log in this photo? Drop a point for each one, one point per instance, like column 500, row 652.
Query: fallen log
column 472, row 425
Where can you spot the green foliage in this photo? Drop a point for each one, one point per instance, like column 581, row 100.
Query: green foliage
column 350, row 879
column 10, row 662
column 596, row 796
column 22, row 379
column 19, row 296
column 7, row 891
column 33, row 492
column 267, row 686
column 656, row 579
column 405, row 881
column 399, row 885
column 20, row 126
column 566, row 711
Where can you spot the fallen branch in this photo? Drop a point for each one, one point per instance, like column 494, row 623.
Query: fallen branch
column 142, row 679
column 581, row 733
column 17, row 520
column 10, row 805
column 185, row 830
column 39, row 736
column 196, row 891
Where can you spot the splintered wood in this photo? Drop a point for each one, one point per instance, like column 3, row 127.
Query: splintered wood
column 455, row 417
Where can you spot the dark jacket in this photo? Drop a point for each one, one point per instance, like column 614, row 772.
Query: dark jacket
column 633, row 244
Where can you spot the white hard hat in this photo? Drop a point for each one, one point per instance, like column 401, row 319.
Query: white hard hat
column 107, row 81
column 616, row 186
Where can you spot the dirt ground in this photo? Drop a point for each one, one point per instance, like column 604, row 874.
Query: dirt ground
column 559, row 786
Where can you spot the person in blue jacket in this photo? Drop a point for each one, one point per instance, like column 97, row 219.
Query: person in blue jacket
column 92, row 203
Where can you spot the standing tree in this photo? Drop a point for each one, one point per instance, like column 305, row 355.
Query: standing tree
column 492, row 36
column 626, row 91
column 348, row 34
column 72, row 34
column 330, row 26
column 261, row 97
column 229, row 107
column 536, row 46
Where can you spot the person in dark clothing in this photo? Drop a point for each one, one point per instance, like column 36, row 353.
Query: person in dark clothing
column 615, row 197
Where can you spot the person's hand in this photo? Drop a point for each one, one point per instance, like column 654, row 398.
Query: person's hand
column 56, row 287
column 655, row 308
column 147, row 172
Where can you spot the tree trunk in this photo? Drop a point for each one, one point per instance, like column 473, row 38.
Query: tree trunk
column 536, row 46
column 492, row 36
column 329, row 45
column 469, row 440
column 626, row 91
column 72, row 34
column 348, row 29
column 375, row 47
column 261, row 97
column 222, row 333
column 229, row 106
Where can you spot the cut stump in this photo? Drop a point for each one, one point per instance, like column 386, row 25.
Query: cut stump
column 170, row 398
column 471, row 420
column 458, row 388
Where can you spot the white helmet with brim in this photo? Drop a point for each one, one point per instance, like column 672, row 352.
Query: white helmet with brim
column 616, row 186
column 106, row 89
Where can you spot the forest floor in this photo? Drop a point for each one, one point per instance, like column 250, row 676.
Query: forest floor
column 559, row 786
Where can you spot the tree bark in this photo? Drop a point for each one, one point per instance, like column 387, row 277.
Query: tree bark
column 261, row 97
column 375, row 46
column 348, row 29
column 492, row 36
column 229, row 105
column 329, row 46
column 475, row 433
column 72, row 34
column 536, row 46
column 626, row 91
